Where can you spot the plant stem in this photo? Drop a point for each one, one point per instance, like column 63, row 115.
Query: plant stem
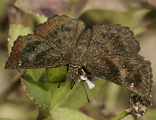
column 121, row 115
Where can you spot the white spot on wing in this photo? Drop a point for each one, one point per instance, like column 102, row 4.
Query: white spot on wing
column 132, row 85
column 20, row 63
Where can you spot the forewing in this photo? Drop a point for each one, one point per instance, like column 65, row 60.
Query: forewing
column 33, row 51
column 112, row 40
column 62, row 30
column 51, row 45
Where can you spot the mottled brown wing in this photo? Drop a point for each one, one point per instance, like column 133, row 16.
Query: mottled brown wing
column 133, row 73
column 112, row 54
column 112, row 40
column 50, row 46
column 61, row 30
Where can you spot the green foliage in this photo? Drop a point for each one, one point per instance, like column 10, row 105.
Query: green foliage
column 67, row 114
column 48, row 95
column 36, row 91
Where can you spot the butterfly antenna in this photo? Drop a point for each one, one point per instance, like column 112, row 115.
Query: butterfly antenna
column 85, row 92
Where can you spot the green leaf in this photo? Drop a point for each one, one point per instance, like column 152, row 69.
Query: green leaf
column 62, row 96
column 56, row 76
column 77, row 97
column 36, row 91
column 36, row 74
column 39, row 89
column 67, row 114
column 65, row 96
column 59, row 94
column 14, row 31
column 45, row 93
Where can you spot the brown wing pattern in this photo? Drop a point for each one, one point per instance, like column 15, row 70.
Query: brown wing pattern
column 108, row 40
column 61, row 30
column 133, row 73
column 49, row 46
column 113, row 55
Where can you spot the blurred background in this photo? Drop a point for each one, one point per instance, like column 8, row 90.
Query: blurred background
column 139, row 15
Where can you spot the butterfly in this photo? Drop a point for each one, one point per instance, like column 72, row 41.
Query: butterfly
column 106, row 51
